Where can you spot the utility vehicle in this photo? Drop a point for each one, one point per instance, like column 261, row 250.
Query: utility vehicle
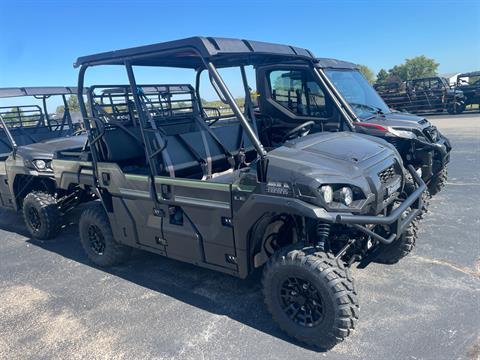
column 291, row 94
column 175, row 182
column 29, row 136
column 469, row 84
column 430, row 94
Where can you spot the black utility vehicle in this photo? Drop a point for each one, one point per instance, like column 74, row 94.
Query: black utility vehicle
column 432, row 94
column 29, row 136
column 206, row 191
column 293, row 94
column 469, row 84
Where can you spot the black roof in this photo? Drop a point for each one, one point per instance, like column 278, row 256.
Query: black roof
column 37, row 91
column 334, row 64
column 469, row 74
column 188, row 53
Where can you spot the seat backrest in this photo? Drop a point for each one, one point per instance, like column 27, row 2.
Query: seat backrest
column 120, row 146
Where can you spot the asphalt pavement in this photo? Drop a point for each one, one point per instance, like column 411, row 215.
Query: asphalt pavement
column 55, row 304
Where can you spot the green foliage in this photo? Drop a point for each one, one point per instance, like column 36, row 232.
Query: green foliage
column 382, row 76
column 417, row 67
column 73, row 105
column 367, row 73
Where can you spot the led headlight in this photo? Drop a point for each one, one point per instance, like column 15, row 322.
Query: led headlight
column 40, row 164
column 346, row 195
column 402, row 133
column 327, row 193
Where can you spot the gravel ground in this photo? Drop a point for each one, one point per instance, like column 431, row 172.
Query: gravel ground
column 54, row 304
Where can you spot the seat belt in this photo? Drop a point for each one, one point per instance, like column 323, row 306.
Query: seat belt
column 161, row 142
column 206, row 170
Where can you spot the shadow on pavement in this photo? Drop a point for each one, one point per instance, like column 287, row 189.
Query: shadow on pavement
column 217, row 293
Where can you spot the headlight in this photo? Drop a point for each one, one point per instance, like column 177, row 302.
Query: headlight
column 345, row 195
column 42, row 165
column 340, row 194
column 327, row 193
column 402, row 133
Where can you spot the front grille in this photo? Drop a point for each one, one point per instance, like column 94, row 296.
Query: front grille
column 387, row 174
column 431, row 133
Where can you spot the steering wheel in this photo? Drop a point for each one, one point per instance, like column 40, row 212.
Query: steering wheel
column 299, row 131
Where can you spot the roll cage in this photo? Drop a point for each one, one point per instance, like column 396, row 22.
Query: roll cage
column 199, row 54
column 26, row 124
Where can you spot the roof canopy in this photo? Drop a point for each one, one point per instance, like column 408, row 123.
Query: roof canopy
column 188, row 53
column 334, row 64
column 37, row 91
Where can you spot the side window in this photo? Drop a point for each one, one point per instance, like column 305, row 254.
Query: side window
column 298, row 92
column 435, row 84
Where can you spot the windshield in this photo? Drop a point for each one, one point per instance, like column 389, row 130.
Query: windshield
column 361, row 96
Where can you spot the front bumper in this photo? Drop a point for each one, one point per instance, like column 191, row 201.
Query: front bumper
column 434, row 157
column 396, row 222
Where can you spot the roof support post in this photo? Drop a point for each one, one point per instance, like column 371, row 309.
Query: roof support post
column 238, row 113
column 343, row 105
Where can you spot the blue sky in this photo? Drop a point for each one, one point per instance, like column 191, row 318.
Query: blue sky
column 40, row 39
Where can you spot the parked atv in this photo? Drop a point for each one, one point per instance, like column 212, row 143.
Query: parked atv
column 291, row 95
column 29, row 136
column 431, row 94
column 206, row 191
column 469, row 84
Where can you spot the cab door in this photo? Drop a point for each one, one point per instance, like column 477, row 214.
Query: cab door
column 190, row 220
column 197, row 222
column 6, row 199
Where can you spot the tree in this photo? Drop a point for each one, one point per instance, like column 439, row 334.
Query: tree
column 367, row 73
column 417, row 67
column 382, row 76
column 72, row 103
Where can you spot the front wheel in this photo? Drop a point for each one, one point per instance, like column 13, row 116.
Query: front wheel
column 397, row 250
column 97, row 239
column 438, row 182
column 42, row 215
column 410, row 187
column 310, row 296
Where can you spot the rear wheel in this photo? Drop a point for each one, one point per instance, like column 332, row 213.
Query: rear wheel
column 455, row 109
column 310, row 296
column 97, row 239
column 438, row 181
column 42, row 215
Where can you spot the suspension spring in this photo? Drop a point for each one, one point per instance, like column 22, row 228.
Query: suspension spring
column 323, row 233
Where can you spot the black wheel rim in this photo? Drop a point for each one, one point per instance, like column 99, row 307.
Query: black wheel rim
column 97, row 241
column 301, row 302
column 34, row 218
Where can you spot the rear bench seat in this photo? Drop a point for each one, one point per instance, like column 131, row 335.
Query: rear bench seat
column 27, row 136
column 127, row 149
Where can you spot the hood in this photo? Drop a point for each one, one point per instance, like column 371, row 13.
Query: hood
column 343, row 155
column 45, row 149
column 401, row 119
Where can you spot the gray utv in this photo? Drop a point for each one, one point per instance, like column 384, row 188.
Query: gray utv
column 292, row 94
column 204, row 190
column 29, row 136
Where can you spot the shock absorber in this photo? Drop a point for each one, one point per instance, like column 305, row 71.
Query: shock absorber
column 323, row 232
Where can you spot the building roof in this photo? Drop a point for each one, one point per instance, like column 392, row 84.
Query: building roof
column 188, row 53
column 449, row 75
column 470, row 74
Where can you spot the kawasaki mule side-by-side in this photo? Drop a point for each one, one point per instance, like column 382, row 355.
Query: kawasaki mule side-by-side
column 29, row 136
column 423, row 95
column 291, row 94
column 175, row 182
